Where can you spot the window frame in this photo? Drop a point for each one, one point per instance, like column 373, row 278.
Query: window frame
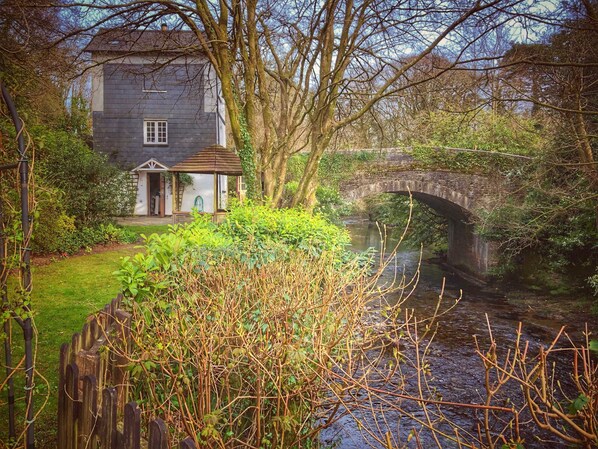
column 156, row 132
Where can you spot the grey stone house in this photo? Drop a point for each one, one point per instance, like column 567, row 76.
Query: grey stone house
column 155, row 103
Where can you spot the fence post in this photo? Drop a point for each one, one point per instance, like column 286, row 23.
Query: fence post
column 75, row 347
column 86, row 337
column 95, row 328
column 62, row 397
column 88, row 413
column 187, row 443
column 72, row 398
column 158, row 435
column 109, row 431
column 118, row 359
column 132, row 426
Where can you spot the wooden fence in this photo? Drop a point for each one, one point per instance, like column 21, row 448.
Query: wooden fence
column 93, row 412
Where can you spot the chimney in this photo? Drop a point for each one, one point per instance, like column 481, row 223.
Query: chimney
column 164, row 27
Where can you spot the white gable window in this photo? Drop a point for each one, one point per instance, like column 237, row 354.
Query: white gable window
column 155, row 132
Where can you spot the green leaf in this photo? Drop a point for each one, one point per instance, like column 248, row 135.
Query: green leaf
column 578, row 404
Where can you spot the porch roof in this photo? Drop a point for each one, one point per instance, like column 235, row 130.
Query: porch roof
column 213, row 159
column 151, row 165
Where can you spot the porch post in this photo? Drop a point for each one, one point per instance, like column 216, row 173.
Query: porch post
column 175, row 192
column 215, row 196
column 162, row 195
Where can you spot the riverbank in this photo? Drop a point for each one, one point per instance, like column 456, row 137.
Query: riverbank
column 531, row 276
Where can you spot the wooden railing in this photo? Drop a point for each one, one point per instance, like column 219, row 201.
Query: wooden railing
column 93, row 411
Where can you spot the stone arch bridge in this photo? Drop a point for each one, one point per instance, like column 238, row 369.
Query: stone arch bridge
column 457, row 196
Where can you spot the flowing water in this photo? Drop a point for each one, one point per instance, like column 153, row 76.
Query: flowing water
column 456, row 371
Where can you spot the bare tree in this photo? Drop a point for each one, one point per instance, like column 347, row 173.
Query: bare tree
column 285, row 67
column 560, row 76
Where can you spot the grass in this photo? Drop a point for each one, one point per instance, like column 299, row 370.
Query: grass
column 65, row 292
column 147, row 229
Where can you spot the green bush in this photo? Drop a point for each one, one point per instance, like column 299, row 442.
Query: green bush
column 242, row 323
column 250, row 233
column 51, row 225
column 63, row 237
column 93, row 190
column 330, row 204
column 553, row 224
column 292, row 227
column 75, row 191
column 487, row 131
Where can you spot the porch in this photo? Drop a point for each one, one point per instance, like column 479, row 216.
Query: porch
column 202, row 182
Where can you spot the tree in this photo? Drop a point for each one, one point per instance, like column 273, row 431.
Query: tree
column 560, row 77
column 287, row 67
column 32, row 66
column 396, row 119
column 553, row 213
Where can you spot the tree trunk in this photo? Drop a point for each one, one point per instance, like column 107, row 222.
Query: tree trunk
column 306, row 192
column 280, row 169
column 584, row 149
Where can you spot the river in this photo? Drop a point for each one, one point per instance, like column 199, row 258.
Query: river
column 456, row 372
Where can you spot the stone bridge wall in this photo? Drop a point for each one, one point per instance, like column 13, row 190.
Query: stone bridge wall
column 457, row 196
column 465, row 190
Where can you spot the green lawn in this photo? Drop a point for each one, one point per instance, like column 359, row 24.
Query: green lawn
column 65, row 292
column 147, row 229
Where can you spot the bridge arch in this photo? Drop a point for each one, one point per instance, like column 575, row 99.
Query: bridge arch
column 436, row 195
column 457, row 196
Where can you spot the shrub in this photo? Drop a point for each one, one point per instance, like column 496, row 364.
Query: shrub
column 251, row 234
column 240, row 354
column 93, row 190
column 76, row 191
column 552, row 224
column 292, row 227
column 241, row 325
column 334, row 168
column 51, row 225
column 63, row 237
column 330, row 204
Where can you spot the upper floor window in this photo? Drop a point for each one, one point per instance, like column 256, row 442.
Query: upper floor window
column 154, row 83
column 155, row 132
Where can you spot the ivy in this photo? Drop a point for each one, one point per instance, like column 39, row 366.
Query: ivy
column 247, row 156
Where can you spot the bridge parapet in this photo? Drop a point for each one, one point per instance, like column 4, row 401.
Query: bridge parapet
column 465, row 190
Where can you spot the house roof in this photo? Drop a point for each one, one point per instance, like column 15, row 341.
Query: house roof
column 122, row 40
column 213, row 159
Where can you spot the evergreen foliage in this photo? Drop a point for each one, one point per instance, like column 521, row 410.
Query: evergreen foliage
column 76, row 191
column 438, row 137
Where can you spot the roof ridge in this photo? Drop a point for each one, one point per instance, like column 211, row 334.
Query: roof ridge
column 127, row 40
